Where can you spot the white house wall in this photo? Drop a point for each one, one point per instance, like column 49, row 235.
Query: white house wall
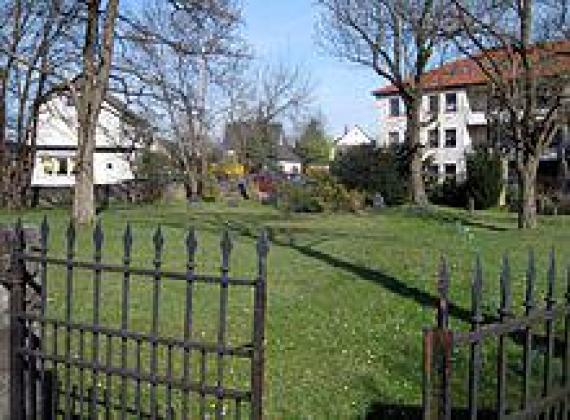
column 57, row 139
column 457, row 120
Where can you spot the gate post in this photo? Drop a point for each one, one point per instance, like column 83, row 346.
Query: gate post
column 438, row 345
column 12, row 278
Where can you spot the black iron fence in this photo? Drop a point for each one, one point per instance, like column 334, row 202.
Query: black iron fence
column 523, row 359
column 69, row 360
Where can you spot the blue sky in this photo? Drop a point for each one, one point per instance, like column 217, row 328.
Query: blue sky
column 283, row 31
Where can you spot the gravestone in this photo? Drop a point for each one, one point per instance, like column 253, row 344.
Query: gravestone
column 378, row 202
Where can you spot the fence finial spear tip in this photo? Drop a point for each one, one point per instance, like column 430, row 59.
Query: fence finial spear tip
column 158, row 238
column 226, row 241
column 191, row 240
column 263, row 243
column 128, row 236
column 443, row 281
column 506, row 284
column 98, row 234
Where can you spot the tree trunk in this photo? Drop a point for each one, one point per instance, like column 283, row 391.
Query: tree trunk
column 417, row 186
column 84, row 195
column 527, row 196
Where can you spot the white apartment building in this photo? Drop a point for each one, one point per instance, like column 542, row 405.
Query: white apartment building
column 454, row 106
column 454, row 111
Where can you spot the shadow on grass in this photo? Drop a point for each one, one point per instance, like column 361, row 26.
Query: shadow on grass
column 381, row 411
column 388, row 282
column 448, row 217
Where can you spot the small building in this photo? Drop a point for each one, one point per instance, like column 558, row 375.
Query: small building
column 287, row 161
column 118, row 135
column 353, row 137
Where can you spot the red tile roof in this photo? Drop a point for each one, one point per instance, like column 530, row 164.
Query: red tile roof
column 466, row 72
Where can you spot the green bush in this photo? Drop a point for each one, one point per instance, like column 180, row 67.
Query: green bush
column 211, row 189
column 484, row 178
column 318, row 193
column 370, row 171
column 448, row 193
column 298, row 198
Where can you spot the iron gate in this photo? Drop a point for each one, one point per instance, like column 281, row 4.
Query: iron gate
column 65, row 366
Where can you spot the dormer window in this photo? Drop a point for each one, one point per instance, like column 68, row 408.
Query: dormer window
column 451, row 102
column 395, row 107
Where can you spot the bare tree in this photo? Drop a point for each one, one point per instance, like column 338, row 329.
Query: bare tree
column 520, row 47
column 398, row 40
column 34, row 37
column 180, row 55
column 268, row 95
column 93, row 84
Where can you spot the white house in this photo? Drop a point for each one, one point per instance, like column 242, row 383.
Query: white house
column 116, row 142
column 453, row 111
column 452, row 107
column 353, row 137
column 287, row 161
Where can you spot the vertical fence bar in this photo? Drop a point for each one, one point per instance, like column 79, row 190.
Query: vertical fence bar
column 108, row 383
column 70, row 235
column 98, row 243
column 549, row 326
column 127, row 245
column 203, row 368
column 566, row 356
column 81, row 371
column 47, row 394
column 475, row 350
column 158, row 241
column 444, row 342
column 505, row 311
column 169, row 382
column 138, row 399
column 44, row 236
column 427, row 373
column 529, row 305
column 260, row 302
column 191, row 246
column 226, row 248
column 17, row 326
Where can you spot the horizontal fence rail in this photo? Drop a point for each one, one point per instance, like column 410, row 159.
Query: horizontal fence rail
column 65, row 366
column 538, row 339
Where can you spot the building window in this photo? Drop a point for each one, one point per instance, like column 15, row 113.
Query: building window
column 450, row 169
column 451, row 138
column 393, row 137
column 450, row 102
column 47, row 164
column 433, row 171
column 433, row 138
column 395, row 107
column 62, row 166
column 433, row 104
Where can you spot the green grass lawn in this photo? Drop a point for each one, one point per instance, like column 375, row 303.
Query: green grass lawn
column 348, row 294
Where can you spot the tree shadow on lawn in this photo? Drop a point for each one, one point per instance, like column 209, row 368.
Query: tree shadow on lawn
column 386, row 411
column 388, row 282
column 451, row 217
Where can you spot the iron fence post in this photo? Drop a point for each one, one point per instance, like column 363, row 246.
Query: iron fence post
column 260, row 298
column 17, row 302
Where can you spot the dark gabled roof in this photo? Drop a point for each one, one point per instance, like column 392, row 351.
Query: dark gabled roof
column 286, row 153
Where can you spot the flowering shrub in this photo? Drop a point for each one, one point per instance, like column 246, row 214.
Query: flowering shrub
column 318, row 193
